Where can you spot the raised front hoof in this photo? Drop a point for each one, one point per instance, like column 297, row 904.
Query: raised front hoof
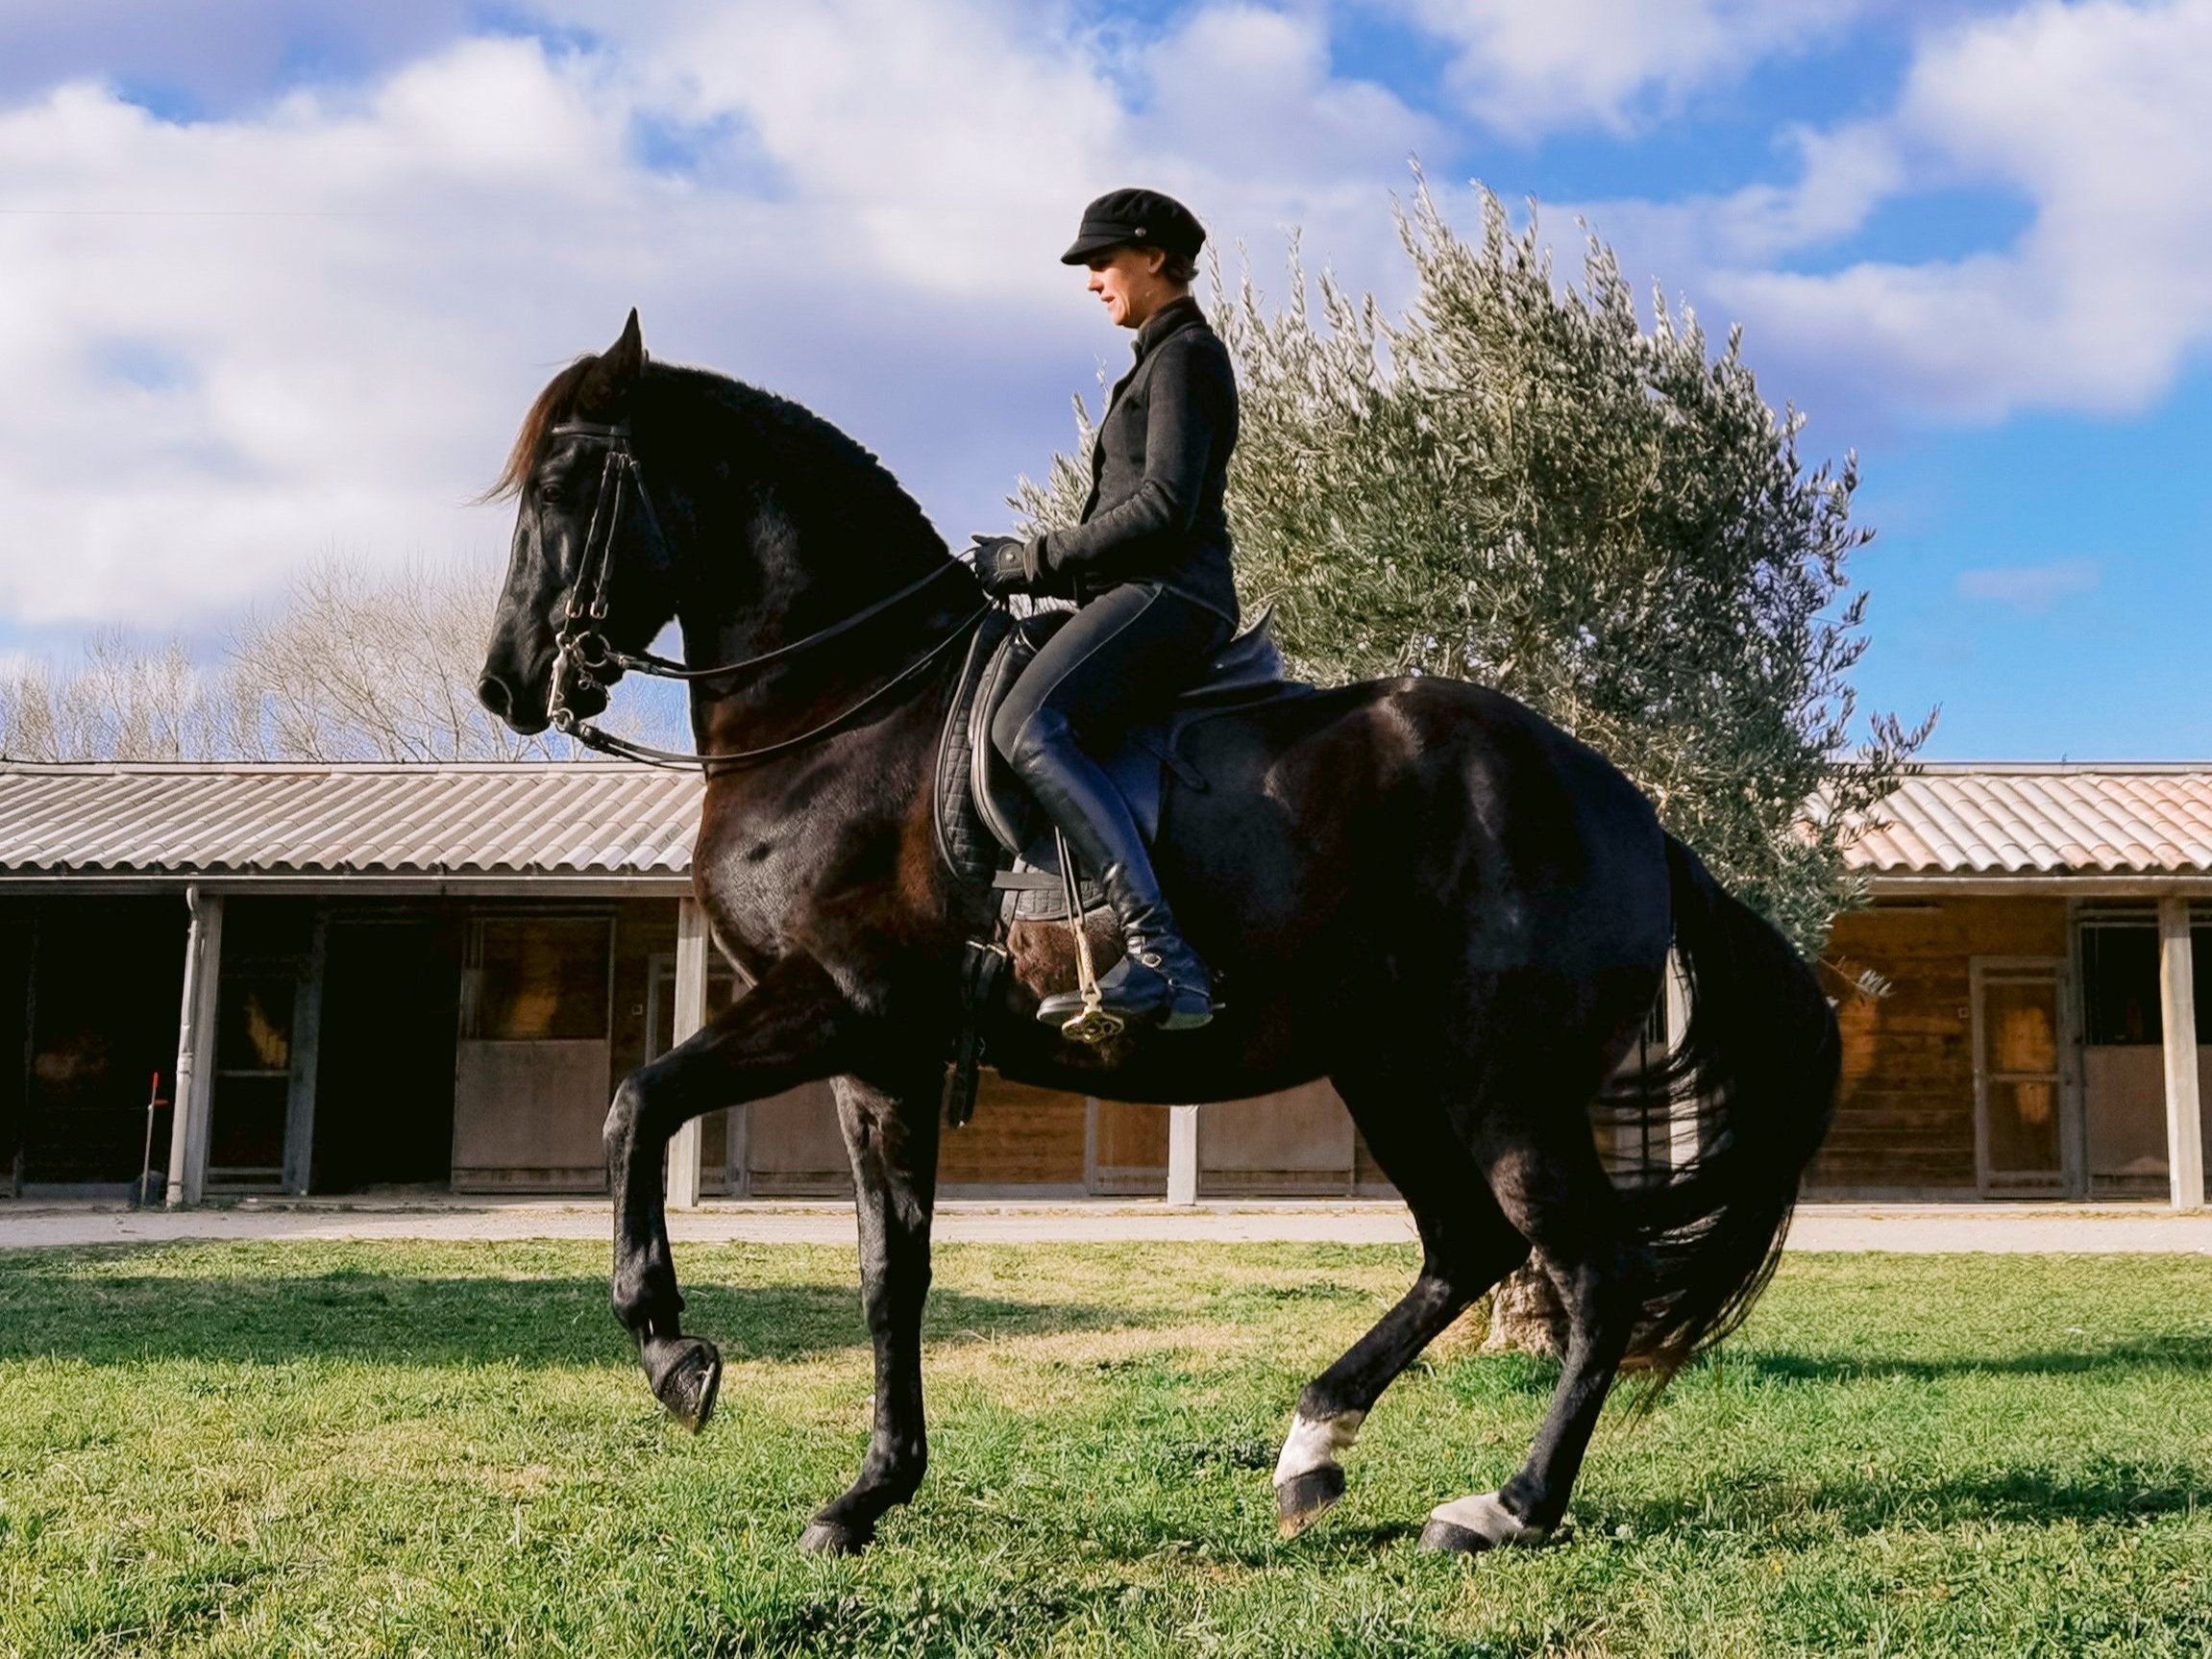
column 1470, row 1525
column 835, row 1538
column 686, row 1375
column 1304, row 1499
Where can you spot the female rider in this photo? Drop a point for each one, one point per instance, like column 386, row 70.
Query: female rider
column 1148, row 567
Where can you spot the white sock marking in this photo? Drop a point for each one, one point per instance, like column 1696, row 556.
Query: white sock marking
column 1313, row 1445
column 1484, row 1514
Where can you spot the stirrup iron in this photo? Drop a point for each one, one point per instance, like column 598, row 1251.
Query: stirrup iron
column 1093, row 1023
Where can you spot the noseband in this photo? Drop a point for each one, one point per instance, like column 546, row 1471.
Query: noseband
column 584, row 656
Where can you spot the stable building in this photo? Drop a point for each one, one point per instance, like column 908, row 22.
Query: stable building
column 2045, row 934
column 230, row 979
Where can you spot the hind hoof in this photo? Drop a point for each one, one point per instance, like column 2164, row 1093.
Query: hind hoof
column 1445, row 1539
column 835, row 1538
column 687, row 1384
column 1470, row 1525
column 1304, row 1499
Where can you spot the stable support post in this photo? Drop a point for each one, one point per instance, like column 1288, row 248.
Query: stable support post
column 2177, row 1004
column 307, row 1043
column 1183, row 1155
column 195, row 1088
column 691, row 947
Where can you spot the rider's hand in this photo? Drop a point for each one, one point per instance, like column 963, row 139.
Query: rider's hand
column 999, row 565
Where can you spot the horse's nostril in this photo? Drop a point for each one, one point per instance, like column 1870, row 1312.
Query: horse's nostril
column 492, row 693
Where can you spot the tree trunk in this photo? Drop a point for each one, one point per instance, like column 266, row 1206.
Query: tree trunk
column 1525, row 1315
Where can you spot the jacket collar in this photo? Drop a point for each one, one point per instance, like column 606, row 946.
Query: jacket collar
column 1170, row 317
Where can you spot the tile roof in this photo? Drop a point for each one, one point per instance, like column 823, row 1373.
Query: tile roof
column 425, row 821
column 587, row 819
column 2057, row 819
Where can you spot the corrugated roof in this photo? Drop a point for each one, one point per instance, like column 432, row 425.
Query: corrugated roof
column 428, row 821
column 584, row 819
column 2056, row 819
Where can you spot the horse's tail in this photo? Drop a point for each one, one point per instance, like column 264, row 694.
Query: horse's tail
column 1758, row 1066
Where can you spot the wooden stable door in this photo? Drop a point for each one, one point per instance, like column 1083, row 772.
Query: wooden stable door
column 2024, row 1100
column 531, row 1073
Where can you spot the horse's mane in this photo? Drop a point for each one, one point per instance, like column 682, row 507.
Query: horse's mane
column 862, row 484
column 554, row 404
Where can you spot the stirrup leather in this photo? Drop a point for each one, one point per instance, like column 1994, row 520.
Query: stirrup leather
column 1094, row 1023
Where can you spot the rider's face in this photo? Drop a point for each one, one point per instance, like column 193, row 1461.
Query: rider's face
column 1127, row 281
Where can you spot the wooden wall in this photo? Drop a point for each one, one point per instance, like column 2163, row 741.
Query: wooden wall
column 1905, row 1116
column 1019, row 1137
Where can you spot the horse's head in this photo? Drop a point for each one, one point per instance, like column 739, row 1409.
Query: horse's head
column 804, row 528
column 588, row 558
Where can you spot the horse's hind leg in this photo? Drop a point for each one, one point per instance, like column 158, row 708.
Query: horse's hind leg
column 891, row 1139
column 1468, row 1245
column 1548, row 1180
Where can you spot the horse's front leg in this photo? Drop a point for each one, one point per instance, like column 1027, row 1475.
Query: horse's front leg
column 779, row 1034
column 892, row 1137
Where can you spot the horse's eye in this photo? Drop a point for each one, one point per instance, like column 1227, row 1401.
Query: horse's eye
column 549, row 492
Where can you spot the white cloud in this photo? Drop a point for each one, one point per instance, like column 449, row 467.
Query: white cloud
column 1534, row 67
column 2093, row 115
column 232, row 344
column 2030, row 587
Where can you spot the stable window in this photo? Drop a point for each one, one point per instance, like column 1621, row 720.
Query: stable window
column 542, row 977
column 2120, row 999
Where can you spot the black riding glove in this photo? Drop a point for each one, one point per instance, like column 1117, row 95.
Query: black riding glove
column 1000, row 565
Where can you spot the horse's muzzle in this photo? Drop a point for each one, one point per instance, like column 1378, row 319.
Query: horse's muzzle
column 501, row 700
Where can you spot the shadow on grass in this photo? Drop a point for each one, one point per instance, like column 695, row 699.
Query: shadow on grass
column 442, row 1321
column 2144, row 1353
column 1533, row 1377
column 2105, row 1491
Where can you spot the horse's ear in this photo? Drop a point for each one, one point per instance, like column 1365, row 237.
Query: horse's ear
column 607, row 389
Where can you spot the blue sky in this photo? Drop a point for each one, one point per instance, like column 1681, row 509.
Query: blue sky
column 277, row 277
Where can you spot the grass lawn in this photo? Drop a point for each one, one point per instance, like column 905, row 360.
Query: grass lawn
column 386, row 1449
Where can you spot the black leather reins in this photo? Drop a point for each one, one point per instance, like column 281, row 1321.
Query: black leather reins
column 582, row 650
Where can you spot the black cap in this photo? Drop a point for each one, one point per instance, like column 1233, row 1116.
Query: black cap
column 1138, row 218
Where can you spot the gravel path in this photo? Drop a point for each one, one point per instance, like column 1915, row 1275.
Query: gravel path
column 1918, row 1228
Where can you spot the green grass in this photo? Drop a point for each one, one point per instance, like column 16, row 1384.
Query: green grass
column 386, row 1449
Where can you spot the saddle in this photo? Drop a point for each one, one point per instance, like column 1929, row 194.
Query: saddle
column 992, row 834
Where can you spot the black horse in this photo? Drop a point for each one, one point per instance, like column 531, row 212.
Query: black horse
column 1416, row 888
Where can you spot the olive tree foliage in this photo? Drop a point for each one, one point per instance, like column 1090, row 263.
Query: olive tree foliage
column 348, row 664
column 1520, row 482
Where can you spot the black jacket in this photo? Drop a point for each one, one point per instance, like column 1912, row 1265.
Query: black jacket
column 1159, row 469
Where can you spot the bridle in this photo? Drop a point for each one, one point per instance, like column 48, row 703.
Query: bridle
column 584, row 656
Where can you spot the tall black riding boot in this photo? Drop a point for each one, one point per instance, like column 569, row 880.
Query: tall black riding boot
column 1158, row 978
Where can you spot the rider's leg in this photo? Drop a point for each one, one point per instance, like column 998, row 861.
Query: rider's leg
column 1125, row 654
